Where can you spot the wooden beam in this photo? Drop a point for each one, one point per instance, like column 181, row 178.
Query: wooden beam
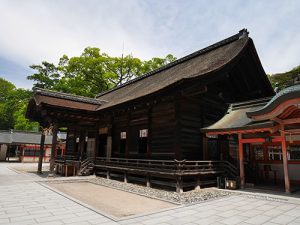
column 53, row 148
column 279, row 109
column 177, row 136
column 255, row 130
column 241, row 161
column 42, row 144
column 127, row 134
column 149, row 143
column 252, row 140
column 285, row 164
column 287, row 121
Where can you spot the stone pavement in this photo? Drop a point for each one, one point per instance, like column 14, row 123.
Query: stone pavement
column 24, row 201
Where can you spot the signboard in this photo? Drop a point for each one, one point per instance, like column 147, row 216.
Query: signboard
column 144, row 133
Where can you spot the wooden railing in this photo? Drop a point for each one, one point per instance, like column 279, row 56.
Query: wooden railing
column 65, row 158
column 175, row 167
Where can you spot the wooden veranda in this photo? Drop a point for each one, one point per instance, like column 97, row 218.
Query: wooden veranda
column 183, row 174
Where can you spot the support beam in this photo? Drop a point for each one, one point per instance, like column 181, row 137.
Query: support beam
column 179, row 188
column 149, row 142
column 148, row 181
column 198, row 187
column 205, row 147
column 109, row 142
column 125, row 178
column 285, row 165
column 39, row 171
column 109, row 147
column 53, row 148
column 241, row 160
column 177, row 137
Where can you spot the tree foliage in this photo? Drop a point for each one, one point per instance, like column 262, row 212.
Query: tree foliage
column 282, row 80
column 92, row 72
column 13, row 103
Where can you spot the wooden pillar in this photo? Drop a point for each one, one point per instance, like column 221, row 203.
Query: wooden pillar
column 205, row 147
column 42, row 144
column 53, row 148
column 179, row 188
column 109, row 142
column 125, row 178
column 197, row 187
column 66, row 170
column 149, row 141
column 148, row 181
column 97, row 144
column 285, row 165
column 241, row 161
column 127, row 135
column 82, row 144
column 177, row 137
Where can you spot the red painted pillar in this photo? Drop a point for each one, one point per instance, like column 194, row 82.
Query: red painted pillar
column 285, row 164
column 241, row 160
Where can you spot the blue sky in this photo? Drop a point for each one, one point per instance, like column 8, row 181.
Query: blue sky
column 34, row 30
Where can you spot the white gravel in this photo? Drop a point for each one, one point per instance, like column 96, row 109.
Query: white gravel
column 179, row 198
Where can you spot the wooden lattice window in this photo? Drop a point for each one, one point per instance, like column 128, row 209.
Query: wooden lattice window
column 294, row 152
column 258, row 152
column 143, row 140
column 275, row 152
column 123, row 142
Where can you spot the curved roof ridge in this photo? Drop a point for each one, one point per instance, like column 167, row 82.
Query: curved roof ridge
column 284, row 94
column 241, row 34
column 68, row 96
column 254, row 102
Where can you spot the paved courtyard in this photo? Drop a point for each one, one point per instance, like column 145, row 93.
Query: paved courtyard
column 24, row 201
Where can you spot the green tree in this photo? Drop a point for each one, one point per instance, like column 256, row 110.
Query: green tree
column 13, row 102
column 92, row 72
column 83, row 75
column 283, row 80
column 20, row 122
column 47, row 75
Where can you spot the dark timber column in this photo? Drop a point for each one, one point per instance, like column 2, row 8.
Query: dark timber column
column 39, row 171
column 149, row 144
column 205, row 147
column 127, row 134
column 97, row 142
column 53, row 148
column 241, row 160
column 109, row 142
column 177, row 138
column 285, row 164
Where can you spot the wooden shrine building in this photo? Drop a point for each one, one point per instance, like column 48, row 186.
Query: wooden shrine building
column 266, row 135
column 157, row 117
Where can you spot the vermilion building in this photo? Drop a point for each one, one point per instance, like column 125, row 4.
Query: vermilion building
column 266, row 135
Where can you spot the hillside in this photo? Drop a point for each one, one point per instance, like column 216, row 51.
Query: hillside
column 285, row 79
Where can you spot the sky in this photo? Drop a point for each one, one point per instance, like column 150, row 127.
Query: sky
column 33, row 31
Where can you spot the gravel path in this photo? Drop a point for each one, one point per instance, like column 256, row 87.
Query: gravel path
column 178, row 198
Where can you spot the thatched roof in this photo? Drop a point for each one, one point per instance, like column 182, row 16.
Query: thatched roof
column 197, row 64
column 201, row 63
column 65, row 100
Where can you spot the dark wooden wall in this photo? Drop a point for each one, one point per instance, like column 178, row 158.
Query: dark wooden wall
column 174, row 117
column 163, row 130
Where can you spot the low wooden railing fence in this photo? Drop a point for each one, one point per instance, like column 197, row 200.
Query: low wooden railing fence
column 182, row 171
column 175, row 167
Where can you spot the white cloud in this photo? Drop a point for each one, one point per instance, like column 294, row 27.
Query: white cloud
column 34, row 30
